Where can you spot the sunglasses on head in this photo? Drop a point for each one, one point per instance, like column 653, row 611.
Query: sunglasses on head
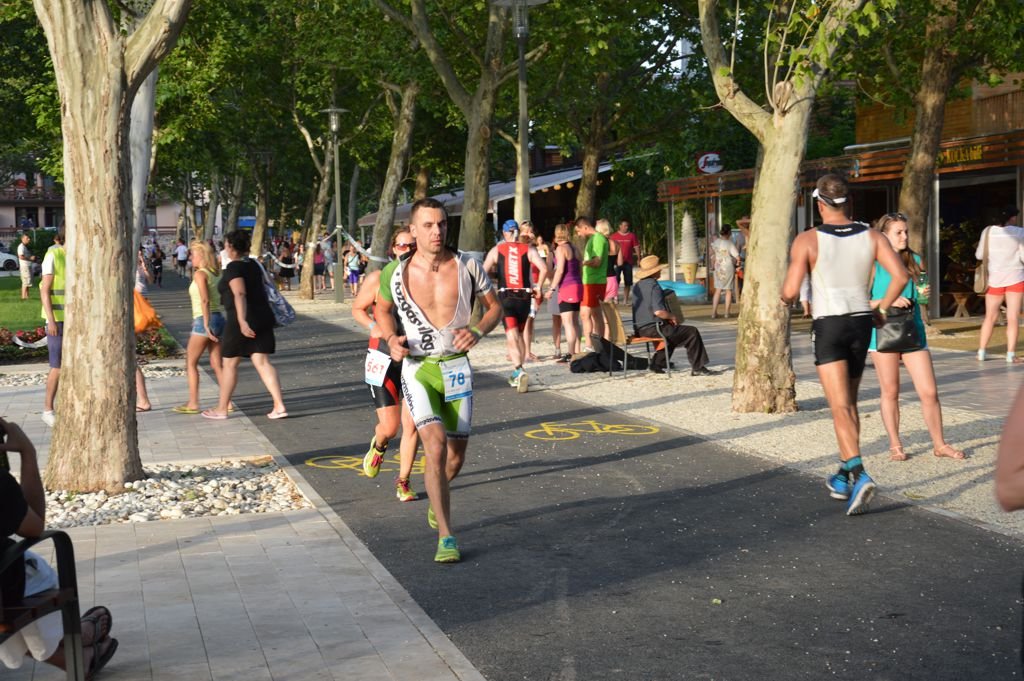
column 897, row 216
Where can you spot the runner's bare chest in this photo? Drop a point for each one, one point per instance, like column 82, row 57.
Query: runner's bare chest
column 435, row 292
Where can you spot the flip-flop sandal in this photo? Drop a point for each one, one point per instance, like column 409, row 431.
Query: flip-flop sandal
column 897, row 454
column 94, row 615
column 140, row 410
column 208, row 414
column 949, row 452
column 100, row 661
column 184, row 409
column 277, row 415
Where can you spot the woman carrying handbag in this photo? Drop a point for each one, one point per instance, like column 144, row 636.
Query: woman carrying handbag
column 917, row 360
column 1001, row 252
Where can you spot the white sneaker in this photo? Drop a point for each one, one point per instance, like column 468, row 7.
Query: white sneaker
column 49, row 418
column 981, row 355
column 521, row 384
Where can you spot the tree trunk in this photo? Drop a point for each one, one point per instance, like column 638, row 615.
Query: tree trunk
column 422, row 183
column 477, row 178
column 353, row 196
column 937, row 77
column 586, row 198
column 98, row 69
column 259, row 232
column 764, row 380
column 401, row 145
column 141, row 145
column 311, row 231
column 237, row 188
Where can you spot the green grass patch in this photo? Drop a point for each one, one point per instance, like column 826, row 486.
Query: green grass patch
column 17, row 314
column 24, row 315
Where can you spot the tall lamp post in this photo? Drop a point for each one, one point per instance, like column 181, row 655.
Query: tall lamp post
column 334, row 116
column 520, row 9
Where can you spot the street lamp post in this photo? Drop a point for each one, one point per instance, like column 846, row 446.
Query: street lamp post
column 334, row 114
column 520, row 9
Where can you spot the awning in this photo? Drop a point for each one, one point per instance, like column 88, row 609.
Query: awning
column 498, row 192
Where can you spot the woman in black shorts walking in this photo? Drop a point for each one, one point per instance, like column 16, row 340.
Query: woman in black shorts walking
column 249, row 327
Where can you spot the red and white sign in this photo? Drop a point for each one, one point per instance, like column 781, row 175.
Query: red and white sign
column 709, row 162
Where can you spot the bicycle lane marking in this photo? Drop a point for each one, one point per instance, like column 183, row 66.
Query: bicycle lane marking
column 555, row 431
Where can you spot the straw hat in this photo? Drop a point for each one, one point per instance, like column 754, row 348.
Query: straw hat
column 649, row 266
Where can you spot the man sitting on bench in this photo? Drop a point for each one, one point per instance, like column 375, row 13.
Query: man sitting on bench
column 23, row 512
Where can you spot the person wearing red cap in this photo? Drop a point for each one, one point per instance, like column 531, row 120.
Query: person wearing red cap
column 512, row 260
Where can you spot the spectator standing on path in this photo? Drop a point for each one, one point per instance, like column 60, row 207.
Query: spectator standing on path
column 917, row 362
column 383, row 376
column 352, row 262
column 611, row 283
column 287, row 270
column 23, row 512
column 433, row 290
column 512, row 260
column 527, row 236
column 724, row 256
column 651, row 311
column 567, row 290
column 181, row 258
column 248, row 327
column 51, row 291
column 629, row 246
column 595, row 274
column 143, row 278
column 319, row 267
column 741, row 237
column 840, row 256
column 329, row 278
column 1002, row 246
column 207, row 322
column 156, row 261
column 25, row 260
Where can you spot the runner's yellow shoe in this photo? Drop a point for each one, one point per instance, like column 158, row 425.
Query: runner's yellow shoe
column 372, row 459
column 403, row 490
column 447, row 550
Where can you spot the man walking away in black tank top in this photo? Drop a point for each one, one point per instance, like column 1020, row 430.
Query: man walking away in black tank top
column 839, row 256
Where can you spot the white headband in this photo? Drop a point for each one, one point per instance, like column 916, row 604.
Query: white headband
column 827, row 199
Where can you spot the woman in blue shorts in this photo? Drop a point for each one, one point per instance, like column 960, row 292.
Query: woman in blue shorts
column 207, row 321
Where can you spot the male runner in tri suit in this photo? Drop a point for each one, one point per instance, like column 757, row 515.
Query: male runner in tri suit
column 432, row 293
column 384, row 378
column 840, row 256
column 513, row 260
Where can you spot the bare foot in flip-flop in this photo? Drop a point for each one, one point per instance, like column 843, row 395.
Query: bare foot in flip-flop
column 96, row 624
column 98, row 655
column 948, row 451
column 897, row 454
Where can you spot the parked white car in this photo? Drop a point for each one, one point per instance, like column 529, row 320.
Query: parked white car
column 8, row 261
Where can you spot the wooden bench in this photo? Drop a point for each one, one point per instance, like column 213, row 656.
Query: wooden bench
column 64, row 599
column 960, row 303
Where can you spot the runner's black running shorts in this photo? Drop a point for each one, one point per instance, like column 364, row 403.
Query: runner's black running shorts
column 842, row 338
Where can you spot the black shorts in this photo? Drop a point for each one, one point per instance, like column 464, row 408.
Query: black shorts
column 389, row 394
column 625, row 272
column 842, row 338
column 515, row 306
column 569, row 307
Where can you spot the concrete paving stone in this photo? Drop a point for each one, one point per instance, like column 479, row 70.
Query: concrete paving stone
column 252, row 672
column 192, row 672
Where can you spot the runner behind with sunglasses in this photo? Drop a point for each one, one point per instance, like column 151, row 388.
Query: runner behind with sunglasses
column 432, row 292
column 383, row 376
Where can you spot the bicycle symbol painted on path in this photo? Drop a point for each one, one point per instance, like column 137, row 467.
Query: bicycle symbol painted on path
column 355, row 463
column 553, row 431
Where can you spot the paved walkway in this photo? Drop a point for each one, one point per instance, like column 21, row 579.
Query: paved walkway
column 278, row 596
